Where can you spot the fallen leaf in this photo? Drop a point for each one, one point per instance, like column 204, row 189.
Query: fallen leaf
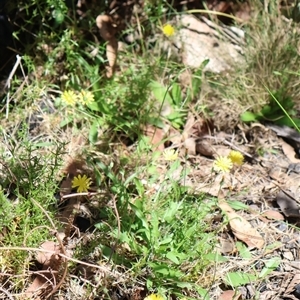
column 156, row 136
column 292, row 285
column 288, row 204
column 51, row 263
column 197, row 128
column 204, row 148
column 174, row 136
column 230, row 295
column 289, row 151
column 273, row 215
column 107, row 31
column 241, row 228
column 227, row 246
column 190, row 146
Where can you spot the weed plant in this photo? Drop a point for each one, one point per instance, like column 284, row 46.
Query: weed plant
column 30, row 177
column 271, row 56
column 162, row 235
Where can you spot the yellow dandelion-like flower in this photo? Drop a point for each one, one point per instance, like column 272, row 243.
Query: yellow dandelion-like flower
column 154, row 297
column 82, row 183
column 69, row 97
column 86, row 97
column 170, row 154
column 222, row 164
column 236, row 157
column 168, row 30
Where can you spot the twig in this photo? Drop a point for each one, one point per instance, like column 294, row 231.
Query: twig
column 119, row 228
column 6, row 293
column 228, row 143
column 68, row 258
column 80, row 194
column 9, row 79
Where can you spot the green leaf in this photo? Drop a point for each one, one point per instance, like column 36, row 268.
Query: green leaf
column 185, row 285
column 236, row 279
column 173, row 257
column 267, row 111
column 93, row 133
column 176, row 94
column 171, row 212
column 149, row 283
column 287, row 121
column 197, row 79
column 154, row 227
column 248, row 116
column 273, row 246
column 160, row 92
column 270, row 266
column 65, row 122
column 59, row 16
column 237, row 205
column 94, row 106
column 43, row 144
column 167, row 240
column 174, row 115
column 162, row 269
column 243, row 250
column 215, row 257
column 202, row 292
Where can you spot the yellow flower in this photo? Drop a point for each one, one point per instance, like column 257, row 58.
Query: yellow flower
column 222, row 164
column 168, row 30
column 69, row 97
column 236, row 157
column 82, row 183
column 154, row 297
column 86, row 97
column 170, row 154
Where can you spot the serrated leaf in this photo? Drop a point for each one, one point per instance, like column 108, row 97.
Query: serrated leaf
column 243, row 250
column 236, row 279
column 270, row 266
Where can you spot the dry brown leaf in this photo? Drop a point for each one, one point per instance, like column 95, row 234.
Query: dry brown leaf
column 205, row 148
column 174, row 136
column 289, row 151
column 156, row 136
column 107, row 31
column 273, row 215
column 241, row 228
column 197, row 128
column 51, row 263
column 213, row 188
column 291, row 287
column 230, row 295
column 190, row 146
column 288, row 204
column 227, row 246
